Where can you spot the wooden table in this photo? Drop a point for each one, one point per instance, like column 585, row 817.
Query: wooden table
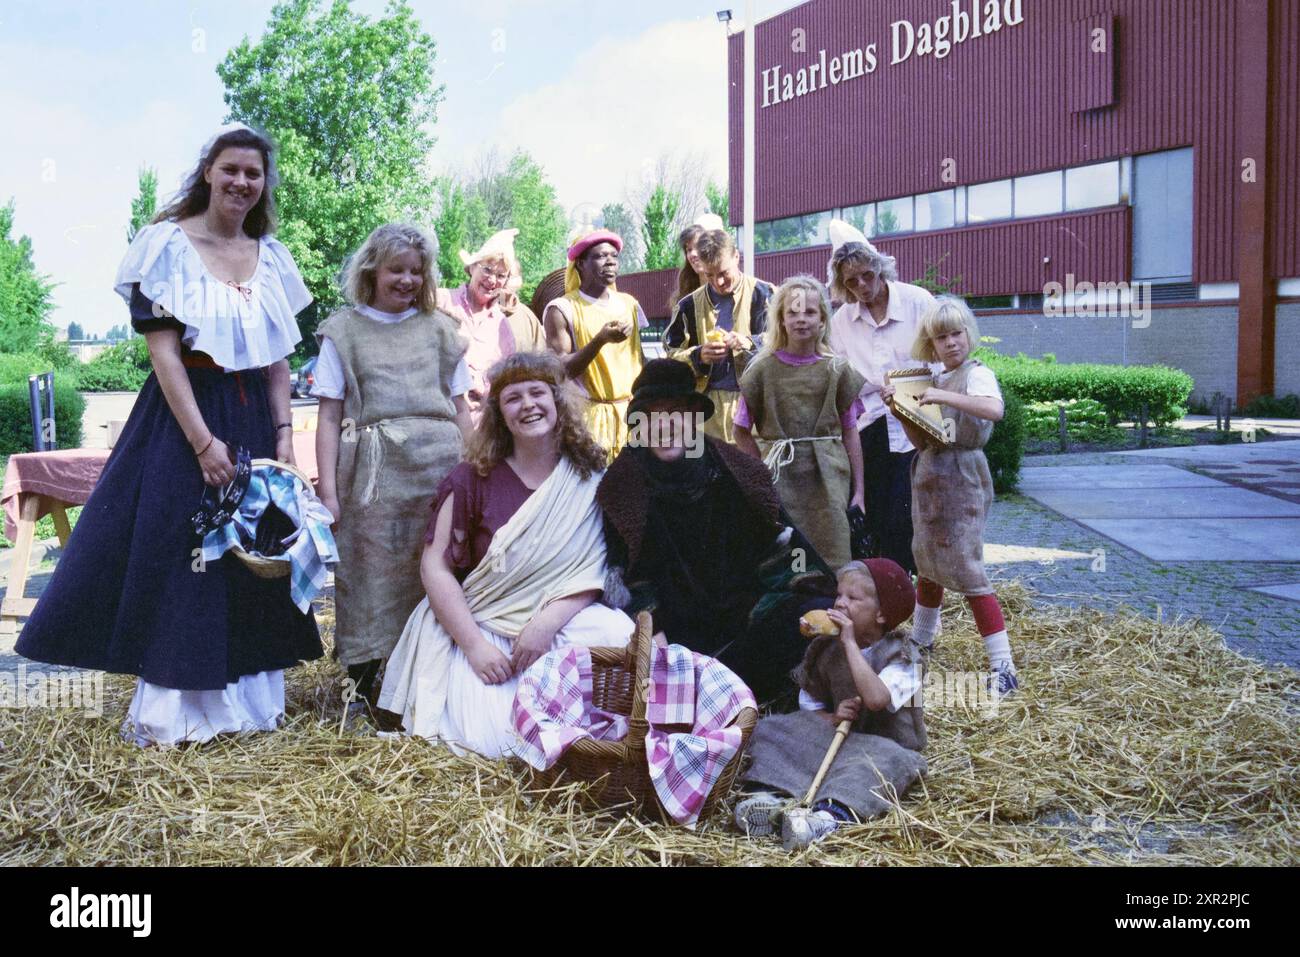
column 53, row 483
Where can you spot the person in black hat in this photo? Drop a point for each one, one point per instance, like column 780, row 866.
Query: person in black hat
column 695, row 534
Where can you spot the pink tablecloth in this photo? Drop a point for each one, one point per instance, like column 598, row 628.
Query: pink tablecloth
column 69, row 475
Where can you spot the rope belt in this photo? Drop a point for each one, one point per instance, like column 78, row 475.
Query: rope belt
column 781, row 453
column 383, row 430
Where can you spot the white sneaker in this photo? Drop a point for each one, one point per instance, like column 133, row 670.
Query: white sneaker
column 798, row 830
column 759, row 814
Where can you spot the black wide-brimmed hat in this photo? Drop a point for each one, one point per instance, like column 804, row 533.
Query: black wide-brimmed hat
column 668, row 380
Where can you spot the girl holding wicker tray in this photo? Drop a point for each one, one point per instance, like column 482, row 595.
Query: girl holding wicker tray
column 952, row 488
column 391, row 380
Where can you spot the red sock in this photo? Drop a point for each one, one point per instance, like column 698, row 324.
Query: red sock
column 928, row 593
column 988, row 613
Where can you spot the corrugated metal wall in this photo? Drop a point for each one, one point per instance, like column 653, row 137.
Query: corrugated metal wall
column 1000, row 105
column 989, row 260
column 1285, row 164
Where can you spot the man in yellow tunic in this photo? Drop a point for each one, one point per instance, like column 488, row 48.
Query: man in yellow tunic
column 595, row 329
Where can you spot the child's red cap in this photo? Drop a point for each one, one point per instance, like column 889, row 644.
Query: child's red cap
column 894, row 591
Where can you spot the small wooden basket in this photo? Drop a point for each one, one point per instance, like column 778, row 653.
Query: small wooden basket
column 620, row 680
column 257, row 564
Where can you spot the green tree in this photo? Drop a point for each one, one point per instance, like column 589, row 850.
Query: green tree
column 719, row 199
column 533, row 210
column 25, row 294
column 935, row 282
column 145, row 203
column 619, row 218
column 498, row 195
column 75, row 331
column 349, row 100
column 461, row 224
column 657, row 229
column 886, row 222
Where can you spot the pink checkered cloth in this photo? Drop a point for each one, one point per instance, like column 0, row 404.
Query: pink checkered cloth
column 68, row 475
column 553, row 709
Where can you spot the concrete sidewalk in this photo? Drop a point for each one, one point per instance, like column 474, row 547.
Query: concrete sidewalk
column 1205, row 531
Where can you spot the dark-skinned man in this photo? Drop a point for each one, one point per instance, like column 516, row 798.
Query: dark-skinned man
column 596, row 331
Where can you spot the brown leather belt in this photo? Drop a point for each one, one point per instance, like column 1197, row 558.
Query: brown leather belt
column 198, row 360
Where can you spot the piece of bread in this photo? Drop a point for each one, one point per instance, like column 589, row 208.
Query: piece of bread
column 715, row 335
column 817, row 623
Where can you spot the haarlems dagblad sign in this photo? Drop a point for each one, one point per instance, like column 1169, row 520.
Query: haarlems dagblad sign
column 966, row 20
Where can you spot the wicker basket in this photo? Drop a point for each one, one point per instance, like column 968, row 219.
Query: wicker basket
column 620, row 678
column 269, row 567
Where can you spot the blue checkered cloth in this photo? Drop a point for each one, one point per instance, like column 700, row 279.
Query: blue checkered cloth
column 310, row 551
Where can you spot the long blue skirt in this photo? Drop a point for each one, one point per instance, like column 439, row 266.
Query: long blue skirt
column 129, row 596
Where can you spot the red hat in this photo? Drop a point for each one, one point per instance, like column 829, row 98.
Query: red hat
column 584, row 243
column 894, row 591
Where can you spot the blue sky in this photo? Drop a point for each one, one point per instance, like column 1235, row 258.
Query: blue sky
column 90, row 90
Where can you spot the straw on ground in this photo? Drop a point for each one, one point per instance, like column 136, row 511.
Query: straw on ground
column 1134, row 741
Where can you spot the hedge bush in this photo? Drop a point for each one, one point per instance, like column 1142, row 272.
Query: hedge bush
column 1006, row 446
column 1275, row 407
column 16, row 416
column 1121, row 390
column 15, row 367
column 1085, row 420
column 123, row 368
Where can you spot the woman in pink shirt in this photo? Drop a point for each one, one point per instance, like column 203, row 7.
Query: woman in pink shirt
column 491, row 332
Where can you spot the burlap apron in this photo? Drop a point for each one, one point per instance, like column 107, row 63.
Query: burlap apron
column 799, row 408
column 399, row 441
column 952, row 492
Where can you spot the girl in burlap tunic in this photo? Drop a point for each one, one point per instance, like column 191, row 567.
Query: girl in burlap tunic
column 952, row 488
column 391, row 379
column 800, row 401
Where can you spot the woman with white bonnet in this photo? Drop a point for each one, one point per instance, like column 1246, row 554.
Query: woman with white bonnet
column 491, row 332
column 216, row 298
column 874, row 329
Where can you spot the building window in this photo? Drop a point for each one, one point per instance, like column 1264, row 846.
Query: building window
column 862, row 217
column 894, row 216
column 1042, row 194
column 988, row 201
column 793, row 232
column 1038, row 195
column 1087, row 187
column 990, row 302
column 936, row 210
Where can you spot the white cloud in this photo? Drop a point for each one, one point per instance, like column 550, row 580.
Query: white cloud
column 616, row 107
column 70, row 165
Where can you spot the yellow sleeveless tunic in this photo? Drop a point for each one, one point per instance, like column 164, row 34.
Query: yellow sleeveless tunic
column 608, row 377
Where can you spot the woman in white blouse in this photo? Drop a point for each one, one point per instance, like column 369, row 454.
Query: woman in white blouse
column 216, row 298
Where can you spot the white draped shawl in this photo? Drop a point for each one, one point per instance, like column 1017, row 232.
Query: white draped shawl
column 552, row 547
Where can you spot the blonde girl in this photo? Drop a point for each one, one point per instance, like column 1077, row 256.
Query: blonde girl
column 391, row 379
column 798, row 412
column 952, row 489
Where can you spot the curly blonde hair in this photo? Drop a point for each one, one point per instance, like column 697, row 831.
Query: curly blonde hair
column 492, row 442
column 387, row 241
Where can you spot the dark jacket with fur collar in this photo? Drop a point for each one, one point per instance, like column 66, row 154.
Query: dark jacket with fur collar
column 759, row 567
column 624, row 496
